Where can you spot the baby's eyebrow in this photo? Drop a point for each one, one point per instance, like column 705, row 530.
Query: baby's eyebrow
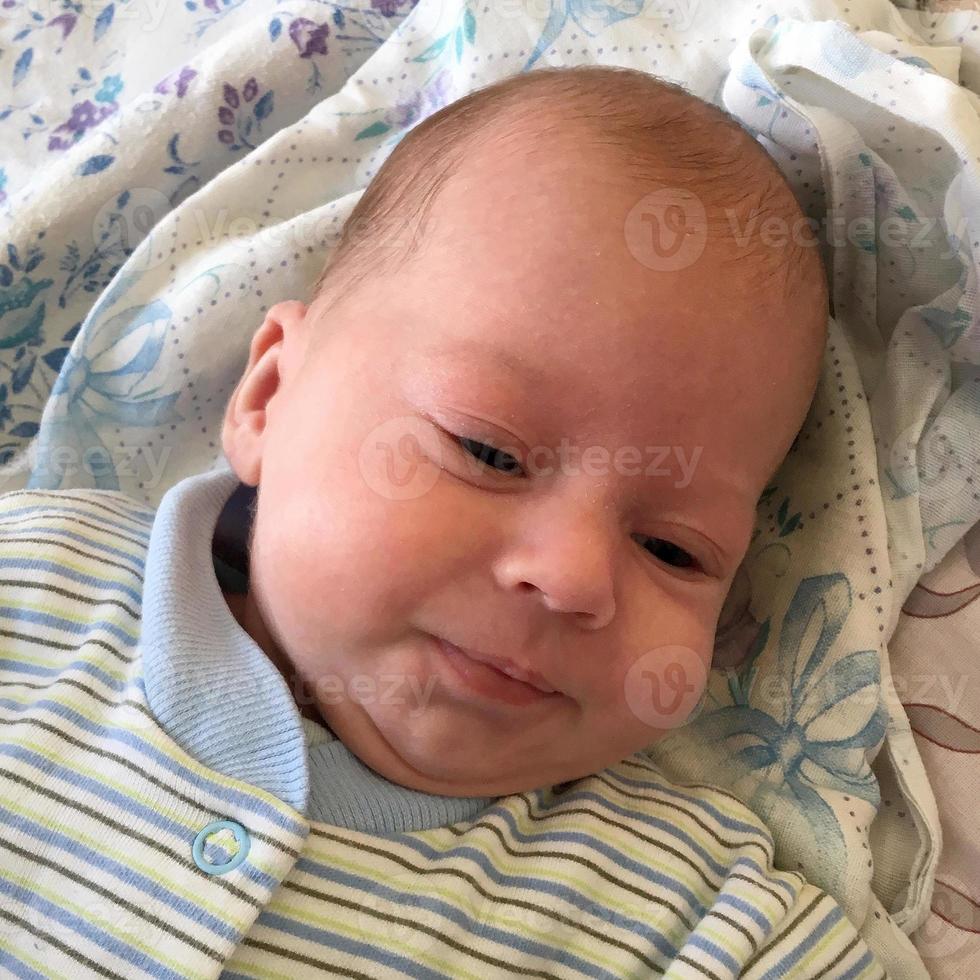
column 527, row 372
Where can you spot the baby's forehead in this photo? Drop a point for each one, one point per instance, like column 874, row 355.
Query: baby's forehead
column 579, row 164
column 607, row 374
column 742, row 217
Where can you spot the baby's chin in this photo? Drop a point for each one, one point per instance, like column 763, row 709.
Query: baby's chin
column 444, row 752
column 453, row 752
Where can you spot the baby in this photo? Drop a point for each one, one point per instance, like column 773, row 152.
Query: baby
column 552, row 262
column 531, row 434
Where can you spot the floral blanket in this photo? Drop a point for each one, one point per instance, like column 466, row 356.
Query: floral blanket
column 170, row 173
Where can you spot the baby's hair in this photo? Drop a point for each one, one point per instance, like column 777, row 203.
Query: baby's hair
column 660, row 133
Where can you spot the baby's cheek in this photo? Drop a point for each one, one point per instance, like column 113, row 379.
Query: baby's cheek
column 330, row 582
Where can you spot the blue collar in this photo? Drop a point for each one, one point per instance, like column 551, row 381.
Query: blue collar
column 207, row 681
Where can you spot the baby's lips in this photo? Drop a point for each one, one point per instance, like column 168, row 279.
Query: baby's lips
column 665, row 685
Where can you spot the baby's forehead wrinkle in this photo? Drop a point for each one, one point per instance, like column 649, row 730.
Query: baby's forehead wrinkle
column 475, row 347
column 537, row 383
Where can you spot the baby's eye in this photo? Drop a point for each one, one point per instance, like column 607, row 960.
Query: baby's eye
column 488, row 455
column 668, row 552
column 671, row 554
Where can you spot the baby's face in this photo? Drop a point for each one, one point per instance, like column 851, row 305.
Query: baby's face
column 525, row 327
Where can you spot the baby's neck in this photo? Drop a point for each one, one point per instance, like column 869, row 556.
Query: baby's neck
column 240, row 608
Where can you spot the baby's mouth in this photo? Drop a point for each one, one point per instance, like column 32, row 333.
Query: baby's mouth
column 504, row 666
column 488, row 680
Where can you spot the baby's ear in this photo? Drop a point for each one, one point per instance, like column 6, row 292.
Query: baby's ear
column 274, row 357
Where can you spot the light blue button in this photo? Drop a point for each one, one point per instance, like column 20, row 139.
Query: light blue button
column 241, row 837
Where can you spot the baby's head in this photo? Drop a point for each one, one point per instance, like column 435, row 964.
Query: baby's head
column 510, row 284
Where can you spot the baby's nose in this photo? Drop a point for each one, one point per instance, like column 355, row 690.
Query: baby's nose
column 569, row 561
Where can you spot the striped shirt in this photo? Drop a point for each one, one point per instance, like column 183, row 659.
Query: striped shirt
column 124, row 855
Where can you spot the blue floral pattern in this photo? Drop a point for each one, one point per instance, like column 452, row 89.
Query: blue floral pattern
column 104, row 382
column 814, row 731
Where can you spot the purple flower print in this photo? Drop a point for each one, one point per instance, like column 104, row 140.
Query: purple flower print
column 309, row 37
column 412, row 111
column 239, row 116
column 65, row 21
column 388, row 8
column 406, row 113
column 182, row 79
column 84, row 115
